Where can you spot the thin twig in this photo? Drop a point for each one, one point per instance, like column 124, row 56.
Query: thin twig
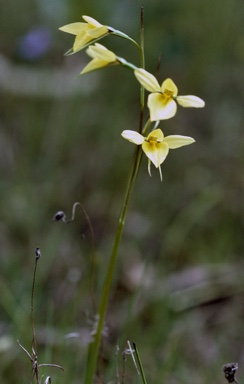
column 38, row 255
column 33, row 356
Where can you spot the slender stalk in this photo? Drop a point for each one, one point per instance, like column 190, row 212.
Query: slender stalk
column 126, row 63
column 140, row 364
column 142, row 63
column 95, row 344
column 38, row 254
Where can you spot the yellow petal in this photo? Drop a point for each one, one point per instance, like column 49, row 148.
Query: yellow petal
column 98, row 51
column 147, row 80
column 74, row 28
column 155, row 152
column 87, row 37
column 84, row 40
column 168, row 86
column 157, row 135
column 161, row 108
column 97, row 32
column 91, row 21
column 190, row 101
column 177, row 141
column 93, row 65
column 80, row 41
column 133, row 137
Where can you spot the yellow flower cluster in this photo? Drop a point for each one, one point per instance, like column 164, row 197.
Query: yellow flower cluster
column 162, row 100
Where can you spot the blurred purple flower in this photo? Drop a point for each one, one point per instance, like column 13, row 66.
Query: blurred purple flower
column 35, row 43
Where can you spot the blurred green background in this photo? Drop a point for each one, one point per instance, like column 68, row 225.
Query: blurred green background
column 179, row 287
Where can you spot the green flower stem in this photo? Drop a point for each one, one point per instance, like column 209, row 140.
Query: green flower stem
column 126, row 63
column 123, row 35
column 94, row 345
column 142, row 62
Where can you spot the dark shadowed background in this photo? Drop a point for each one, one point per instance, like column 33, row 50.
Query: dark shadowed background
column 179, row 289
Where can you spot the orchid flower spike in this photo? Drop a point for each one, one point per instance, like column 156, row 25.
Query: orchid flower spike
column 156, row 146
column 162, row 99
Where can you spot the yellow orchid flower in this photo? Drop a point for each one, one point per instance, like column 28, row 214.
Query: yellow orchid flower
column 162, row 100
column 156, row 146
column 101, row 57
column 85, row 33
